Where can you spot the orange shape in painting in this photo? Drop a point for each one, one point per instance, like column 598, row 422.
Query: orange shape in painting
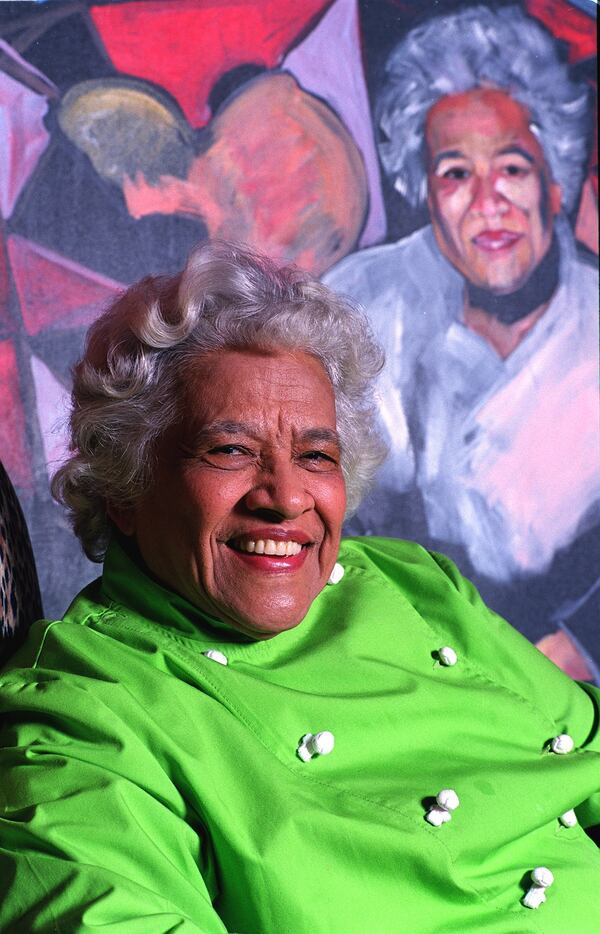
column 559, row 648
column 54, row 291
column 282, row 174
column 185, row 46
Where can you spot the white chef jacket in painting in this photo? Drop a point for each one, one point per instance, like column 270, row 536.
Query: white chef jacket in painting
column 505, row 453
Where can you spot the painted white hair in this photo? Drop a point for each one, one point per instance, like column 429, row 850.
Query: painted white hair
column 475, row 47
column 128, row 386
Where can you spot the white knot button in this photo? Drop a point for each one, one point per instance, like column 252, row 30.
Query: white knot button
column 562, row 744
column 446, row 802
column 568, row 819
column 447, row 656
column 317, row 744
column 542, row 878
column 337, row 574
column 216, row 656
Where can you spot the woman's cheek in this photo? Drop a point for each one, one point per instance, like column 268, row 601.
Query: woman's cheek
column 524, row 194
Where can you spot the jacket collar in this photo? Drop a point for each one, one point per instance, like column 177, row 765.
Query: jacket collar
column 127, row 581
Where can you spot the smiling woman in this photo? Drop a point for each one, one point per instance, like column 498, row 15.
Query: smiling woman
column 244, row 517
column 247, row 723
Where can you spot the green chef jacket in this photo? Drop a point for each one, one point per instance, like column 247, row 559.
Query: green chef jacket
column 149, row 788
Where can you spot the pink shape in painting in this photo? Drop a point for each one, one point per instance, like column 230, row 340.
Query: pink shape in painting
column 13, row 445
column 55, row 291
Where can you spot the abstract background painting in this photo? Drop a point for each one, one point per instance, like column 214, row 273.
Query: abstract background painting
column 132, row 130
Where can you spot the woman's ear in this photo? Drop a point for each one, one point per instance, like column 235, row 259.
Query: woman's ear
column 123, row 517
column 555, row 198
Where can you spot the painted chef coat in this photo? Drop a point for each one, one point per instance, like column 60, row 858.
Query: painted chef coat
column 149, row 787
column 505, row 453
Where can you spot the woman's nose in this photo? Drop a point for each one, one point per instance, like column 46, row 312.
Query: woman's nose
column 487, row 200
column 280, row 489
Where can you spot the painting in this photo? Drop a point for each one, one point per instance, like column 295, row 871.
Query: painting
column 435, row 161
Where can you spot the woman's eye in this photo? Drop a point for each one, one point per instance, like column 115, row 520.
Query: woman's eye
column 229, row 456
column 319, row 459
column 456, row 174
column 515, row 171
column 228, row 449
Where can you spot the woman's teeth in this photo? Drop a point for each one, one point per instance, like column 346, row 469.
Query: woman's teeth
column 266, row 546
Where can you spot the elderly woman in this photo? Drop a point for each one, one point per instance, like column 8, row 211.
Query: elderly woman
column 247, row 725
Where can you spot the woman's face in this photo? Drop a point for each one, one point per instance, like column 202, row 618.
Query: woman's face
column 244, row 517
column 491, row 198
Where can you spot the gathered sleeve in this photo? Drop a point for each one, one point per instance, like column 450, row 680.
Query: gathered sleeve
column 94, row 833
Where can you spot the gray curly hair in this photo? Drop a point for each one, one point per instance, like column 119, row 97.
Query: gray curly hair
column 503, row 48
column 127, row 386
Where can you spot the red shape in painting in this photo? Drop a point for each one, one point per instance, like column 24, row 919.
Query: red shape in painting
column 186, row 45
column 13, row 450
column 54, row 291
column 567, row 23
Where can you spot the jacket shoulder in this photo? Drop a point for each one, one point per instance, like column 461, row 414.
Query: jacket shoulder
column 452, row 607
column 390, row 555
column 47, row 638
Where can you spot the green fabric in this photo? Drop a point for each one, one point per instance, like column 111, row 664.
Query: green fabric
column 146, row 788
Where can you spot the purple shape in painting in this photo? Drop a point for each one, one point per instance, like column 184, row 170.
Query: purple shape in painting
column 328, row 63
column 23, row 136
column 52, row 400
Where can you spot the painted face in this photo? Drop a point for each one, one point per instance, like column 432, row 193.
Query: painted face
column 244, row 518
column 491, row 198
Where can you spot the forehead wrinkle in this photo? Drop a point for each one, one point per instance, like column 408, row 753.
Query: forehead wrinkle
column 226, row 426
column 309, row 434
column 279, row 400
column 223, row 427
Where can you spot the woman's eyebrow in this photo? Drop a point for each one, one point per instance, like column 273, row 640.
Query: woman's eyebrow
column 320, row 436
column 227, row 427
column 447, row 154
column 514, row 150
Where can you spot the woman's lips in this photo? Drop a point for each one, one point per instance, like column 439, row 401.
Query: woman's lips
column 268, row 546
column 493, row 241
column 264, row 562
column 281, row 552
